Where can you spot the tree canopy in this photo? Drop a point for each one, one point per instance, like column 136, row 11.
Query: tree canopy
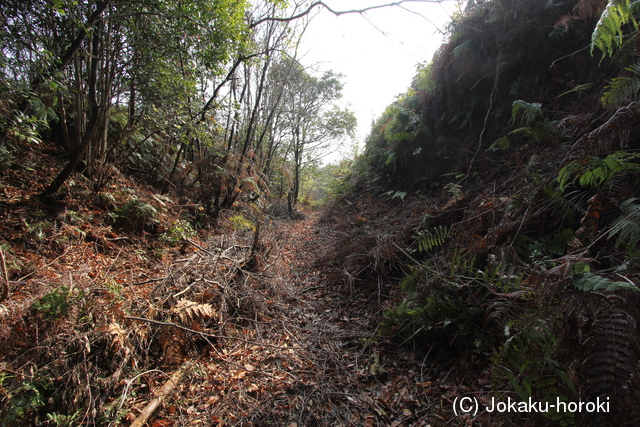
column 183, row 90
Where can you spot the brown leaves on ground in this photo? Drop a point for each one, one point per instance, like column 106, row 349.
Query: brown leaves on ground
column 101, row 313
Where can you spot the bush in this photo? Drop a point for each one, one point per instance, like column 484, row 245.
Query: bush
column 178, row 231
column 137, row 213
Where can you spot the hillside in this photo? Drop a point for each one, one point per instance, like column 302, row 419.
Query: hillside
column 511, row 168
column 156, row 269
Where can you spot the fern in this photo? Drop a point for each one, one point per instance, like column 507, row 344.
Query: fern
column 623, row 90
column 529, row 112
column 608, row 34
column 530, row 115
column 435, row 238
column 190, row 311
column 593, row 171
column 627, row 226
column 455, row 190
column 613, row 362
column 241, row 223
column 577, row 89
column 502, row 143
column 458, row 263
column 396, row 194
column 527, row 361
column 592, row 282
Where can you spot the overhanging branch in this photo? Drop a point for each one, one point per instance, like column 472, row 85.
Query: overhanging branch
column 337, row 12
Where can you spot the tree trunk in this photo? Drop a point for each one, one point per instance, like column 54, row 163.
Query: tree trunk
column 92, row 126
column 297, row 155
column 64, row 60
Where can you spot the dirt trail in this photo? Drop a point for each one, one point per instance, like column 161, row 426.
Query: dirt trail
column 308, row 357
column 232, row 341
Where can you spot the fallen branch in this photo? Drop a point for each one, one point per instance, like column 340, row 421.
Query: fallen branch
column 4, row 292
column 159, row 279
column 186, row 242
column 207, row 335
column 166, row 390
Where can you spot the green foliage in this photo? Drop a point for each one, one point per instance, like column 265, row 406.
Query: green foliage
column 21, row 401
column 594, row 172
column 179, row 230
column 444, row 301
column 402, row 122
column 436, row 312
column 627, row 226
column 241, row 223
column 528, row 112
column 6, row 157
column 609, row 32
column 434, row 317
column 423, row 80
column 137, row 212
column 502, row 143
column 61, row 420
column 26, row 128
column 623, row 90
column 577, row 89
column 54, row 305
column 335, row 180
column 431, row 239
column 527, row 362
column 592, row 282
column 530, row 116
column 396, row 194
column 551, row 247
column 455, row 189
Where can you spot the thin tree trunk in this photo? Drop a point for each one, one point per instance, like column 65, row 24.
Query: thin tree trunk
column 176, row 162
column 67, row 55
column 81, row 117
column 92, row 126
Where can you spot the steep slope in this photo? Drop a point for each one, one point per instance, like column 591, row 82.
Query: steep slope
column 512, row 161
column 461, row 102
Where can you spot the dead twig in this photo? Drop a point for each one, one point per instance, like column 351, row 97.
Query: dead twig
column 146, row 281
column 192, row 243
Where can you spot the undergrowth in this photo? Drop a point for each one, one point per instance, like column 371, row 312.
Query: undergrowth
column 527, row 262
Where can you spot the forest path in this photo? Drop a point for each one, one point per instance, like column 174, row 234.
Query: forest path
column 309, row 356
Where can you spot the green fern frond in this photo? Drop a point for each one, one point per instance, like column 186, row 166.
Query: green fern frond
column 608, row 35
column 634, row 68
column 528, row 111
column 458, row 263
column 559, row 243
column 594, row 172
column 437, row 309
column 500, row 144
column 577, row 89
column 622, row 90
column 592, row 282
column 627, row 226
column 435, row 238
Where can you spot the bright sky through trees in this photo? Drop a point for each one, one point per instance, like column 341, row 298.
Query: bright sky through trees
column 377, row 51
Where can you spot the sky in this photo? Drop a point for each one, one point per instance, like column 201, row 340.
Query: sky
column 377, row 52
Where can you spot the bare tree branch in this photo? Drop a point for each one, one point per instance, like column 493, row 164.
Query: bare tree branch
column 337, row 12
